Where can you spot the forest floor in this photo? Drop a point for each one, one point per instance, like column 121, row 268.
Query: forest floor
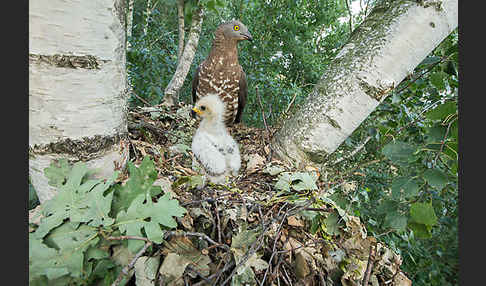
column 270, row 225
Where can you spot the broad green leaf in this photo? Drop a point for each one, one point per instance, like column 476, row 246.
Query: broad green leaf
column 75, row 201
column 420, row 230
column 435, row 178
column 386, row 206
column 437, row 79
column 42, row 260
column 148, row 215
column 398, row 152
column 332, row 225
column 423, row 213
column 303, row 181
column 404, row 187
column 140, row 182
column 396, row 221
column 57, row 172
column 442, row 111
column 283, row 183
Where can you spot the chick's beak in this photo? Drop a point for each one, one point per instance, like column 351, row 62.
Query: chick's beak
column 199, row 112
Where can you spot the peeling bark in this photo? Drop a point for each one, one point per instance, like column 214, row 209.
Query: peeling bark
column 388, row 45
column 77, row 86
column 175, row 84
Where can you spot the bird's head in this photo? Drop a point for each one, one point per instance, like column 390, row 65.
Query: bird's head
column 235, row 30
column 209, row 107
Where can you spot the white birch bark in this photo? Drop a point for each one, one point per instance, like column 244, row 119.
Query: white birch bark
column 180, row 18
column 130, row 22
column 388, row 45
column 148, row 12
column 77, row 86
column 175, row 84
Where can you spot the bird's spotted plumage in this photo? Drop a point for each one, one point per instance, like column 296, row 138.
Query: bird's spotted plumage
column 216, row 153
column 221, row 74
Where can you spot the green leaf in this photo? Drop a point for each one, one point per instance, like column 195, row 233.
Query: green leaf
column 420, row 230
column 404, row 186
column 303, row 181
column 140, row 182
column 396, row 221
column 398, row 152
column 77, row 200
column 283, row 183
column 423, row 213
column 437, row 79
column 430, row 60
column 57, row 172
column 42, row 260
column 148, row 215
column 332, row 225
column 442, row 111
column 436, row 178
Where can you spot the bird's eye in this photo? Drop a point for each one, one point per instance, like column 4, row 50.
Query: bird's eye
column 203, row 107
column 236, row 28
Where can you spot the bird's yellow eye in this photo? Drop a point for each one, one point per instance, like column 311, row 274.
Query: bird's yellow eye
column 236, row 28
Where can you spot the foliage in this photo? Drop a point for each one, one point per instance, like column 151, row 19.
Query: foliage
column 69, row 245
column 406, row 176
column 408, row 194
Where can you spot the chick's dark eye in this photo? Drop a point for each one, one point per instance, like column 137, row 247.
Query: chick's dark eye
column 203, row 107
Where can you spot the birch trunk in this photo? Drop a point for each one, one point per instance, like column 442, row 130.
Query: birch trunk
column 388, row 45
column 175, row 84
column 129, row 22
column 180, row 18
column 77, row 86
column 148, row 12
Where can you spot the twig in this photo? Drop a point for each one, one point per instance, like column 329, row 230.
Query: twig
column 369, row 267
column 263, row 111
column 124, row 237
column 200, row 235
column 141, row 99
column 217, row 220
column 127, row 268
column 443, row 142
column 350, row 16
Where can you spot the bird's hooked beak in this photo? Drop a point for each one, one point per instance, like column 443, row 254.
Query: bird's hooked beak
column 247, row 36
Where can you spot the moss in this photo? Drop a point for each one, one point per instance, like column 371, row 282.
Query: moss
column 68, row 61
column 84, row 149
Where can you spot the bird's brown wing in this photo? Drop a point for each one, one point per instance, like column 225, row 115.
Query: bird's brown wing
column 242, row 93
column 195, row 82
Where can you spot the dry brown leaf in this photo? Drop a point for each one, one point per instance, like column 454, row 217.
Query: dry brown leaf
column 293, row 221
column 255, row 162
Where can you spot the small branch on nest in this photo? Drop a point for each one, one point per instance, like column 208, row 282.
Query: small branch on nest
column 124, row 237
column 127, row 268
column 200, row 235
column 369, row 267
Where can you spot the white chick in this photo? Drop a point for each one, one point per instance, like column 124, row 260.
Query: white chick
column 216, row 153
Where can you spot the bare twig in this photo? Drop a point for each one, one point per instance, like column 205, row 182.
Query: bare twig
column 369, row 267
column 141, row 99
column 350, row 16
column 443, row 142
column 125, row 237
column 200, row 235
column 263, row 111
column 127, row 268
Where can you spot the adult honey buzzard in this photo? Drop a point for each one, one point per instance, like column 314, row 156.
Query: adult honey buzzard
column 221, row 73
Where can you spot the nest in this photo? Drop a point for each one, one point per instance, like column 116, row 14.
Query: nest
column 248, row 231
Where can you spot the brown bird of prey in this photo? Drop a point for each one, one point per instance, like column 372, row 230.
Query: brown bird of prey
column 216, row 153
column 221, row 73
